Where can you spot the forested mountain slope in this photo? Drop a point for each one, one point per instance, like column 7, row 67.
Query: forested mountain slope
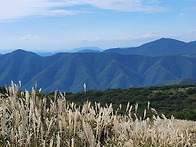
column 68, row 72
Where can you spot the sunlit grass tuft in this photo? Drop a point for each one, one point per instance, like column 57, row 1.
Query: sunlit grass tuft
column 28, row 120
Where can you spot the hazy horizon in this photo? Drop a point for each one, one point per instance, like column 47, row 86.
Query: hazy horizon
column 82, row 48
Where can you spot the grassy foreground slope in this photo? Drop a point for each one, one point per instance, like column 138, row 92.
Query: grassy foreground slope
column 29, row 119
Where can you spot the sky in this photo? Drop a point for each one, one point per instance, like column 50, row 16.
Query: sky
column 62, row 25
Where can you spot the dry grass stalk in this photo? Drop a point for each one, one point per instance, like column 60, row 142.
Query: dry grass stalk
column 27, row 121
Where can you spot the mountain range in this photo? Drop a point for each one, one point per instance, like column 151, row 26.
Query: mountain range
column 79, row 50
column 163, row 46
column 101, row 70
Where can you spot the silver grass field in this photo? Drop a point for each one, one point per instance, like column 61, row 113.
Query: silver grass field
column 27, row 120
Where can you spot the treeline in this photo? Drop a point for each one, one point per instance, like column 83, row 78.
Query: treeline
column 176, row 100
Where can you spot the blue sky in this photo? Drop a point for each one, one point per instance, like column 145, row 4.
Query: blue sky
column 60, row 25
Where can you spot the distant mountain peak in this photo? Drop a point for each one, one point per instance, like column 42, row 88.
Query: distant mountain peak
column 160, row 47
column 89, row 51
column 23, row 52
column 86, row 49
column 164, row 40
column 19, row 50
column 167, row 39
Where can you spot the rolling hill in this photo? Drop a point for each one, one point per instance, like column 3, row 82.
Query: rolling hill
column 163, row 46
column 68, row 71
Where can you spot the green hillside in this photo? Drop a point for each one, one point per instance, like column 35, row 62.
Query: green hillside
column 179, row 101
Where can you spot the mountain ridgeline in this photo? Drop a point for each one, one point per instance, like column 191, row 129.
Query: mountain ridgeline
column 173, row 62
column 159, row 47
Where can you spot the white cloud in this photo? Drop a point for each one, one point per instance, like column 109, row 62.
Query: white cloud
column 152, row 1
column 126, row 5
column 12, row 9
column 29, row 37
column 59, row 12
column 181, row 14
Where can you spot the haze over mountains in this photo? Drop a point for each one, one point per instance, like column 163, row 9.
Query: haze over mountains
column 153, row 63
